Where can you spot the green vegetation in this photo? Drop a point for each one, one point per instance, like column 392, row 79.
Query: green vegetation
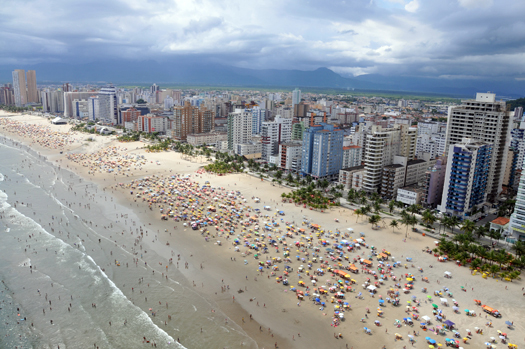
column 13, row 109
column 309, row 196
column 141, row 101
column 520, row 102
column 161, row 146
column 496, row 263
column 129, row 137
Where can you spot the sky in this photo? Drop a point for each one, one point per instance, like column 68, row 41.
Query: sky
column 449, row 39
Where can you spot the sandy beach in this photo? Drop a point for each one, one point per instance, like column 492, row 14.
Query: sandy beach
column 268, row 311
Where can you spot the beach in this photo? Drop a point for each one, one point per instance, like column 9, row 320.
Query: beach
column 210, row 275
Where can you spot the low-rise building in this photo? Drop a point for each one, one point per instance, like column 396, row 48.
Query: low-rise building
column 251, row 150
column 352, row 178
column 210, row 138
column 410, row 195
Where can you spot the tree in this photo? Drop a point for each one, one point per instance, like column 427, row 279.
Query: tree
column 454, row 222
column 357, row 212
column 519, row 248
column 468, row 226
column 428, row 217
column 141, row 101
column 279, row 174
column 494, row 269
column 391, row 205
column 374, row 219
column 406, row 221
column 393, row 224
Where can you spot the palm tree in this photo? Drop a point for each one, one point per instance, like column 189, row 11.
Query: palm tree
column 475, row 263
column 377, row 206
column 480, row 231
column 357, row 212
column 428, row 217
column 406, row 221
column 391, row 205
column 494, row 269
column 519, row 248
column 468, row 226
column 393, row 224
column 454, row 222
column 374, row 219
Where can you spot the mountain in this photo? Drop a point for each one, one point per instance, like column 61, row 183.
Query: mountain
column 187, row 72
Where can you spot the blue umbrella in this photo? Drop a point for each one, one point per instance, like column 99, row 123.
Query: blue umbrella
column 432, row 341
column 508, row 323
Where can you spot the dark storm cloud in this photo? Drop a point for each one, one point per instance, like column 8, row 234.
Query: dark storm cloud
column 430, row 38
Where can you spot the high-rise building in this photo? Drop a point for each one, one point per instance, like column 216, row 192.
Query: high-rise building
column 94, row 108
column 296, row 97
column 19, row 85
column 483, row 119
column 352, row 156
column 273, row 133
column 108, row 105
column 7, row 96
column 80, row 108
column 32, row 91
column 68, row 99
column 259, row 116
column 239, row 127
column 322, row 151
column 517, row 219
column 518, row 113
column 191, row 120
column 381, row 146
column 153, row 89
column 466, row 179
column 433, row 184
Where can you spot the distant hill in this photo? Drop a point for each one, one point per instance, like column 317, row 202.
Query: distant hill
column 186, row 72
column 520, row 102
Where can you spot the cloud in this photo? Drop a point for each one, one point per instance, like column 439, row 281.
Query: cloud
column 412, row 6
column 470, row 4
column 392, row 37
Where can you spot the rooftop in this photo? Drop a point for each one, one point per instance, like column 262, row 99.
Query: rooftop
column 500, row 221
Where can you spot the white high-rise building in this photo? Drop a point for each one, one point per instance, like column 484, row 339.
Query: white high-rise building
column 517, row 219
column 483, row 119
column 239, row 127
column 108, row 105
column 296, row 96
column 94, row 108
column 273, row 133
column 381, row 146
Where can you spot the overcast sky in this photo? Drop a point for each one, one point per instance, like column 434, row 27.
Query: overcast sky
column 448, row 38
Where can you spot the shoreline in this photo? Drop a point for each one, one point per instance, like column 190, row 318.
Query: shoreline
column 286, row 325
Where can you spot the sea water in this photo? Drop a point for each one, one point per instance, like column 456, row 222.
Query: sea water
column 61, row 238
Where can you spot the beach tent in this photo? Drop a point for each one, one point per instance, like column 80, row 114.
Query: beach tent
column 59, row 121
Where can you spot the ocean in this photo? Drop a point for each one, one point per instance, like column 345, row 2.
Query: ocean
column 75, row 273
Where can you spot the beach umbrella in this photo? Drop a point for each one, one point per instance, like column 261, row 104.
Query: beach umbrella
column 508, row 323
column 427, row 338
column 434, row 306
column 467, row 311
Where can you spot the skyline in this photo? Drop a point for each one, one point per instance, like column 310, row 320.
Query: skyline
column 456, row 39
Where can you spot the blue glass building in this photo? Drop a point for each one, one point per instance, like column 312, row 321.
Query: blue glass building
column 322, row 151
column 467, row 176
